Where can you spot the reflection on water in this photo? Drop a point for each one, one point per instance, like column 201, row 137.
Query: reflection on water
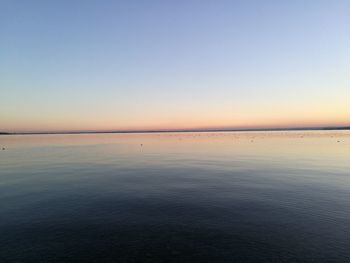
column 176, row 197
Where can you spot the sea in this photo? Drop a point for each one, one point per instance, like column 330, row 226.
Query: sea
column 268, row 196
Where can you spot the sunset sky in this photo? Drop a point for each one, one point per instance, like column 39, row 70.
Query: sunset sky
column 116, row 65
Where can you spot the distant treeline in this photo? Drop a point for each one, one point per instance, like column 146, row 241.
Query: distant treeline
column 4, row 133
column 337, row 128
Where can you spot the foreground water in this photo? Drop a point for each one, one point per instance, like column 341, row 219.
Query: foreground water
column 181, row 197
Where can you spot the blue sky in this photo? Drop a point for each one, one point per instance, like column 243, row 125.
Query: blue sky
column 75, row 65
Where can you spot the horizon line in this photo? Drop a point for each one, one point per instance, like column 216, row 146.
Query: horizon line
column 182, row 130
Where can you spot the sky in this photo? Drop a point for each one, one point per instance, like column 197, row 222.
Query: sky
column 120, row 65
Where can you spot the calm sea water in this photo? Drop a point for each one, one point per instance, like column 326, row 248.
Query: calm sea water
column 181, row 197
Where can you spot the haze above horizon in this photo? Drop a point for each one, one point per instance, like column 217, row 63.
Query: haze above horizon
column 172, row 65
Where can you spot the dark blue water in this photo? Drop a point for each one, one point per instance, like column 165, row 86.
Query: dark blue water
column 209, row 197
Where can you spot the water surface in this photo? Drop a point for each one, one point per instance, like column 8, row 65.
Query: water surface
column 176, row 197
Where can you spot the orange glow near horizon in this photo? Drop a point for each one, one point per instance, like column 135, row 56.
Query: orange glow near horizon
column 106, row 124
column 186, row 116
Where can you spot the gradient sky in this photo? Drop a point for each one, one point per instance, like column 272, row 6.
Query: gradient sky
column 105, row 65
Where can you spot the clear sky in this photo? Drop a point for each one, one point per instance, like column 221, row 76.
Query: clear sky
column 106, row 65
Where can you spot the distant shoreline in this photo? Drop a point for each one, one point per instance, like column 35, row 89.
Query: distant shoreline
column 182, row 131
